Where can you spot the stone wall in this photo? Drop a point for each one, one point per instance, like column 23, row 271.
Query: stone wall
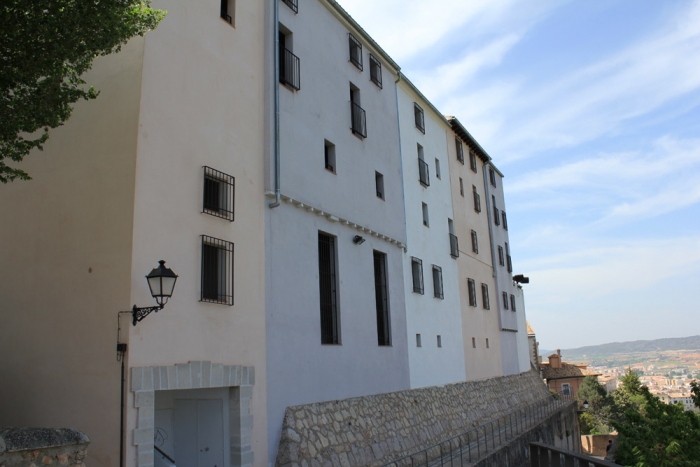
column 374, row 430
column 596, row 445
column 29, row 447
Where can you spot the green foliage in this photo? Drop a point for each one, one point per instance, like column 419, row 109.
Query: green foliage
column 45, row 47
column 695, row 393
column 594, row 420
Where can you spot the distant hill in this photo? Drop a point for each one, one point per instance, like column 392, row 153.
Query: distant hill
column 678, row 343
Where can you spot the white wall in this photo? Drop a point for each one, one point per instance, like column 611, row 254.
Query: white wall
column 522, row 338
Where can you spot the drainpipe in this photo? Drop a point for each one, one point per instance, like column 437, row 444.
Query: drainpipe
column 403, row 187
column 276, row 88
column 489, row 207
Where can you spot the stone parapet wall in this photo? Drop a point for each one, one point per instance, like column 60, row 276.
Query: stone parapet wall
column 31, row 447
column 374, row 430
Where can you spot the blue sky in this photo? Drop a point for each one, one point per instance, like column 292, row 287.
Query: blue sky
column 591, row 109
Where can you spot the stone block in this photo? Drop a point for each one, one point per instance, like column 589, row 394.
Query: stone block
column 251, row 375
column 217, row 376
column 172, row 377
column 147, row 379
column 143, row 436
column 206, row 374
column 136, row 379
column 164, row 379
column 144, row 399
column 184, row 380
column 195, row 375
column 226, row 379
column 246, row 392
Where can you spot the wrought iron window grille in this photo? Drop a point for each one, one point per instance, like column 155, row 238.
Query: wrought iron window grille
column 355, row 51
column 505, row 220
column 471, row 285
column 219, row 194
column 454, row 246
column 382, row 299
column 512, row 302
column 505, row 300
column 460, row 150
column 492, row 176
column 290, row 69
column 437, row 282
column 217, row 271
column 417, row 272
column 293, row 4
column 375, row 71
column 328, row 290
column 419, row 117
column 423, row 173
column 475, row 242
column 501, row 260
column 359, row 120
column 477, row 201
column 510, row 263
column 485, row 296
column 226, row 14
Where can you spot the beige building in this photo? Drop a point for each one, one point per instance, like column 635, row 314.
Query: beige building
column 165, row 164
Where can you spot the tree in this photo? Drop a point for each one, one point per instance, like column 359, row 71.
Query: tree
column 45, row 48
column 695, row 393
column 594, row 419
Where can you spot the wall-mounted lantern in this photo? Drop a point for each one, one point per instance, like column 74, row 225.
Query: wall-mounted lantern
column 161, row 281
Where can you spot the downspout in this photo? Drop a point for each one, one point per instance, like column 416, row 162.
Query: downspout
column 493, row 249
column 276, row 87
column 403, row 185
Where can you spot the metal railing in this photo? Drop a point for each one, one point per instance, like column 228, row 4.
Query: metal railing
column 359, row 120
column 423, row 173
column 542, row 455
column 454, row 246
column 225, row 16
column 474, row 444
column 293, row 4
column 290, row 69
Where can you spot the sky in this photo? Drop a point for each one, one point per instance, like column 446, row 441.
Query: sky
column 591, row 109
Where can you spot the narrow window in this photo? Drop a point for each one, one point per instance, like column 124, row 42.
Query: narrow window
column 439, row 341
column 460, row 150
column 355, row 51
column 472, row 292
column 477, row 199
column 328, row 290
column 289, row 64
column 487, row 342
column 492, row 176
column 426, row 221
column 419, row 117
column 565, row 389
column 218, row 199
column 357, row 113
column 381, row 299
column 496, row 216
column 423, row 169
column 437, row 168
column 512, row 302
column 454, row 243
column 505, row 220
column 217, row 271
column 417, row 271
column 437, row 282
column 505, row 300
column 379, row 184
column 461, row 187
column 472, row 160
column 375, row 71
column 228, row 11
column 329, row 155
column 475, row 242
column 418, row 341
column 485, row 296
column 510, row 262
column 501, row 260
column 293, row 4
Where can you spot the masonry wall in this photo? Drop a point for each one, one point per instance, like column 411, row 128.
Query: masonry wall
column 373, row 430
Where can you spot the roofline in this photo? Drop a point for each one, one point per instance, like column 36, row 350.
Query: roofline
column 468, row 138
column 413, row 87
column 335, row 6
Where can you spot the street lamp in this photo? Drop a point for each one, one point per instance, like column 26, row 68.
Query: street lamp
column 161, row 281
column 585, row 405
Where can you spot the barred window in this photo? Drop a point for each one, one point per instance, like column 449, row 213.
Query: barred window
column 472, row 292
column 492, row 176
column 293, row 4
column 419, row 117
column 460, row 150
column 512, row 302
column 375, row 71
column 472, row 160
column 217, row 271
column 417, row 271
column 505, row 300
column 496, row 216
column 328, row 289
column 381, row 299
column 505, row 221
column 437, row 282
column 501, row 259
column 477, row 199
column 228, row 11
column 355, row 51
column 485, row 296
column 218, row 199
column 475, row 242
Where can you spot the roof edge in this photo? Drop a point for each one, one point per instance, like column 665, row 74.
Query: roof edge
column 468, row 138
column 413, row 87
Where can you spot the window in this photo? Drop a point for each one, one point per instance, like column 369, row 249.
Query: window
column 375, row 71
column 492, row 176
column 290, row 74
column 379, row 184
column 437, row 282
column 217, row 271
column 565, row 389
column 475, row 242
column 293, row 4
column 460, row 150
column 437, row 168
column 472, row 160
column 417, row 271
column 357, row 113
column 472, row 292
column 329, row 155
column 328, row 289
column 477, row 199
column 487, row 342
column 419, row 117
column 510, row 262
column 382, row 299
column 512, row 302
column 426, row 221
column 505, row 300
column 505, row 221
column 461, row 187
column 218, row 199
column 485, row 297
column 454, row 243
column 418, row 341
column 423, row 169
column 501, row 259
column 496, row 216
column 474, row 342
column 228, row 11
column 439, row 341
column 355, row 51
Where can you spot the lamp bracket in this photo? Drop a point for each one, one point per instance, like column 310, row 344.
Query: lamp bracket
column 140, row 313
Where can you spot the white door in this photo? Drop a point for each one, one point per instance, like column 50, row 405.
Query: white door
column 199, row 433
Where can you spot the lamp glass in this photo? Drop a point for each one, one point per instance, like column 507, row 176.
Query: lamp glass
column 161, row 281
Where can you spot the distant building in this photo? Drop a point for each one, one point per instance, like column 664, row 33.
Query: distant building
column 533, row 347
column 563, row 377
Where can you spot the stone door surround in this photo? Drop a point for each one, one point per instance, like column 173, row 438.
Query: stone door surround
column 194, row 375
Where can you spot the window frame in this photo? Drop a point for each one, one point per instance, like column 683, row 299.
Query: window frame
column 329, row 309
column 375, row 71
column 417, row 275
column 226, row 14
column 381, row 295
column 379, row 185
column 477, row 199
column 419, row 117
column 505, row 300
column 512, row 303
column 438, row 291
column 486, row 301
column 492, row 176
column 225, row 194
column 216, row 271
column 329, row 159
column 355, row 45
column 460, row 149
column 501, row 256
column 505, row 220
column 471, row 287
column 472, row 161
column 475, row 242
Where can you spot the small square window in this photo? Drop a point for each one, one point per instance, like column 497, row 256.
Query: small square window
column 460, row 150
column 461, row 187
column 419, row 117
column 228, row 11
column 472, row 292
column 485, row 297
column 217, row 271
column 218, row 199
column 426, row 221
column 355, row 51
column 437, row 168
column 375, row 71
column 329, row 155
column 379, row 183
column 417, row 272
column 439, row 341
column 437, row 282
column 418, row 341
column 472, row 160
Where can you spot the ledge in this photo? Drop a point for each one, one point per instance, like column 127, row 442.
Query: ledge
column 26, row 438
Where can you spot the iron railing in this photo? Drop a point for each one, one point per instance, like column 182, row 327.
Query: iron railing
column 476, row 443
column 293, row 4
column 510, row 263
column 454, row 246
column 542, row 455
column 460, row 150
column 359, row 120
column 290, row 70
column 355, row 51
column 423, row 173
column 225, row 16
column 375, row 71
